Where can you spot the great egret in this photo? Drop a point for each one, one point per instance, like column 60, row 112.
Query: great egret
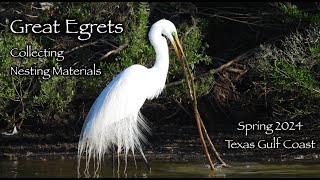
column 115, row 118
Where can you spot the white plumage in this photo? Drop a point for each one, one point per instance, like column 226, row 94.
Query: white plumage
column 115, row 118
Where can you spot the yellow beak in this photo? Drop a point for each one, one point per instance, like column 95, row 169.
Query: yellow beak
column 178, row 47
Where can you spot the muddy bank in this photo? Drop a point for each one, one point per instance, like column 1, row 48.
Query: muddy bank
column 167, row 143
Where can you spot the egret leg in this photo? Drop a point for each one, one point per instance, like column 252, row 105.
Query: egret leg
column 134, row 159
column 118, row 162
column 113, row 151
column 126, row 162
column 145, row 159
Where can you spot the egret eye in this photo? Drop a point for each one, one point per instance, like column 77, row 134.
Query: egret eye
column 164, row 36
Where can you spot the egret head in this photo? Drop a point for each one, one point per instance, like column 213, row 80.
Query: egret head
column 169, row 30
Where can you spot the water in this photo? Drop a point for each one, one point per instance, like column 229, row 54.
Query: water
column 66, row 167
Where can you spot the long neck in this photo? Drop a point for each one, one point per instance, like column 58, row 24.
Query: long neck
column 160, row 46
column 159, row 71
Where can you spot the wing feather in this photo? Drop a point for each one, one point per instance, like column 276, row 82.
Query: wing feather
column 114, row 118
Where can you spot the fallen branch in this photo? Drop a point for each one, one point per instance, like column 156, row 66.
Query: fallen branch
column 212, row 146
column 81, row 46
column 115, row 51
column 214, row 71
column 192, row 93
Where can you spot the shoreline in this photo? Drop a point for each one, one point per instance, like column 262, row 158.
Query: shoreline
column 183, row 148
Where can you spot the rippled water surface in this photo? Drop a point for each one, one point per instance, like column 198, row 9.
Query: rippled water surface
column 67, row 167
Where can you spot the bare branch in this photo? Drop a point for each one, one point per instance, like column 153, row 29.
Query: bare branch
column 81, row 46
column 214, row 71
column 115, row 51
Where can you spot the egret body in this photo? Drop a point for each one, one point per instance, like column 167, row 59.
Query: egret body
column 115, row 120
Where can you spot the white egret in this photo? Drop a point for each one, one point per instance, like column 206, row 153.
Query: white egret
column 115, row 120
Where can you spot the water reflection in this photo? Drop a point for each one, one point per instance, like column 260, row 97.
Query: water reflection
column 67, row 167
column 15, row 168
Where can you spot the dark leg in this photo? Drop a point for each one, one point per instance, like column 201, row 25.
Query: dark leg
column 113, row 151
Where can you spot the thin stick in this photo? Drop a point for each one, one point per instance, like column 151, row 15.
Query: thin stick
column 193, row 96
column 212, row 146
column 115, row 51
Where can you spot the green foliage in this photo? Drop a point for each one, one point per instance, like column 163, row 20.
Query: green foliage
column 290, row 72
column 20, row 96
column 56, row 93
column 195, row 52
column 315, row 18
column 81, row 11
column 315, row 51
column 292, row 11
column 139, row 50
column 296, row 15
column 14, row 88
column 290, row 76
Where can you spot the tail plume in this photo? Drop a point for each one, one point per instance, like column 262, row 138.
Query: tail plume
column 126, row 134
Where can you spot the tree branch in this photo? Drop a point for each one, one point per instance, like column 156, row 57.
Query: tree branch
column 214, row 71
column 115, row 51
column 192, row 93
column 81, row 46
